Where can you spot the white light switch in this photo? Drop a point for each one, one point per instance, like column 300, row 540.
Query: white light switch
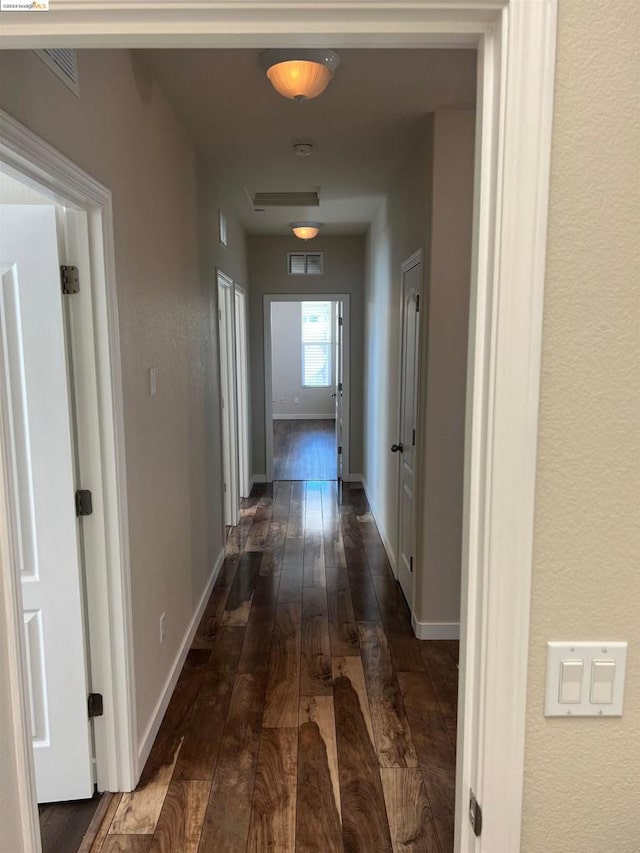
column 571, row 681
column 603, row 673
column 585, row 679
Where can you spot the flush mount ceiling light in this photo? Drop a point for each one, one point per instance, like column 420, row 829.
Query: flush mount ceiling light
column 300, row 74
column 305, row 230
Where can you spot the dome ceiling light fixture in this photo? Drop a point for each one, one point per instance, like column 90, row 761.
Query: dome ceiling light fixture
column 306, row 230
column 300, row 74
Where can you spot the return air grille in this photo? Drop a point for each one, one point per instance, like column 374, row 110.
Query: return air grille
column 64, row 64
column 305, row 263
column 304, row 199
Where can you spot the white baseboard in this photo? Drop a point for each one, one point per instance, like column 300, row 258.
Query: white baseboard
column 391, row 554
column 299, row 417
column 257, row 478
column 435, row 630
column 144, row 747
column 352, row 478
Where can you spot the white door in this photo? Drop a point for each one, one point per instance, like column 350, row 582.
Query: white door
column 406, row 446
column 228, row 401
column 36, row 393
column 339, row 380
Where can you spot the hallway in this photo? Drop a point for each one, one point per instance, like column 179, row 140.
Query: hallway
column 306, row 712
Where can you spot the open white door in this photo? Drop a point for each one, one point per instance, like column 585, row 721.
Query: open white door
column 406, row 447
column 36, row 394
column 339, row 380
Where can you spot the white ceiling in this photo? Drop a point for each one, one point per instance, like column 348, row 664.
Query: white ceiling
column 363, row 126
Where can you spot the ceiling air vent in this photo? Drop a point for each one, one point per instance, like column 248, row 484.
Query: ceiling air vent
column 304, row 199
column 305, row 263
column 64, row 64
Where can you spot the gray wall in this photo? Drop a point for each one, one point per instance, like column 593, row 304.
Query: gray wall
column 444, row 375
column 123, row 132
column 399, row 229
column 343, row 273
column 428, row 208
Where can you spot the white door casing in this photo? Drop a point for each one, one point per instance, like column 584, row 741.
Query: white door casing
column 516, row 49
column 407, row 424
column 339, row 384
column 36, row 396
column 229, row 403
column 345, row 303
column 242, row 359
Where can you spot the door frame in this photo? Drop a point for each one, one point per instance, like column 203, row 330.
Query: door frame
column 268, row 300
column 99, row 401
column 409, row 263
column 242, row 379
column 516, row 42
column 229, row 416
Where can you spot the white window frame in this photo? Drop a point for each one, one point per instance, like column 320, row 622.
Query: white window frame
column 516, row 42
column 328, row 344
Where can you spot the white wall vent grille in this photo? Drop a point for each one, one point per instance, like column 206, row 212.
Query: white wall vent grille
column 304, row 263
column 64, row 64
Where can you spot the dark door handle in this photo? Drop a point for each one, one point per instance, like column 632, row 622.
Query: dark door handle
column 396, row 447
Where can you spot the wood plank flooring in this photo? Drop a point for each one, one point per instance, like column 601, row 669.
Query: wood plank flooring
column 307, row 716
column 304, row 450
column 65, row 823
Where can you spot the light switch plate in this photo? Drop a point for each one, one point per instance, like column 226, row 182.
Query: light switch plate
column 586, row 652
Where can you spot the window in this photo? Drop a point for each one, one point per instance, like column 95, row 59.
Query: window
column 304, row 263
column 316, row 345
column 222, row 228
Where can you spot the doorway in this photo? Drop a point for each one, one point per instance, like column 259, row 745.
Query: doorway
column 516, row 64
column 306, row 389
column 79, row 495
column 407, row 423
column 232, row 336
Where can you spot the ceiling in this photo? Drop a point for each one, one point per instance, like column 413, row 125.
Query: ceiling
column 362, row 126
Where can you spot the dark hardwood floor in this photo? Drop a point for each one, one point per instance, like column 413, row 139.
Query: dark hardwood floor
column 63, row 825
column 304, row 450
column 307, row 716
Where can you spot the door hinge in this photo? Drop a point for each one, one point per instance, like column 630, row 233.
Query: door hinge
column 417, row 303
column 95, row 705
column 70, row 279
column 84, row 502
column 339, row 450
column 475, row 814
column 340, row 387
column 340, row 321
column 224, row 488
column 413, row 439
column 411, row 564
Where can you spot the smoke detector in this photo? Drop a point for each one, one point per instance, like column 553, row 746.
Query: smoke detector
column 303, row 149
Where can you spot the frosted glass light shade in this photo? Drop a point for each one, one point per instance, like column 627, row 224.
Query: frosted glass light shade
column 305, row 230
column 300, row 74
column 299, row 80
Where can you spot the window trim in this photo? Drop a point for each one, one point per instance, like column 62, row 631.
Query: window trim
column 306, row 255
column 328, row 344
